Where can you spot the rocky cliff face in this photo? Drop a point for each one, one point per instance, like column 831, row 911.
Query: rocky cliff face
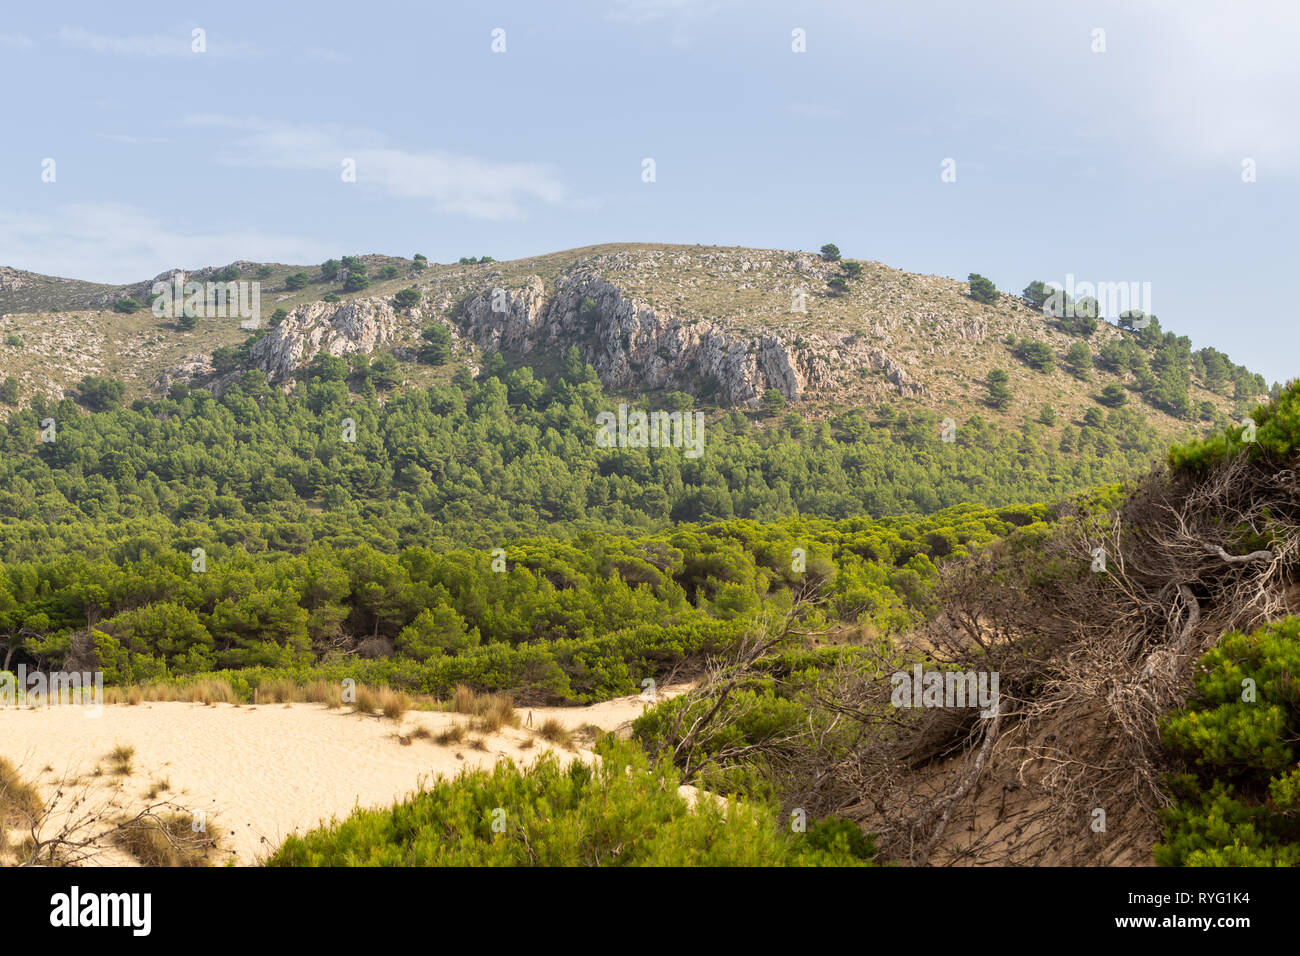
column 634, row 345
column 740, row 329
column 11, row 280
column 359, row 326
column 726, row 325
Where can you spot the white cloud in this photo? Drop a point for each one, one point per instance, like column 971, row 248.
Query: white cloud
column 16, row 41
column 116, row 243
column 464, row 185
column 176, row 44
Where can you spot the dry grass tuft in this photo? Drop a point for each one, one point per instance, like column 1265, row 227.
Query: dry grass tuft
column 393, row 703
column 452, row 735
column 20, row 802
column 324, row 692
column 367, row 701
column 281, row 691
column 209, row 692
column 555, row 732
column 493, row 711
column 120, row 760
column 166, row 840
column 464, row 700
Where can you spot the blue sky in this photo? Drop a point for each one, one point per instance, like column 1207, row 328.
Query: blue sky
column 1122, row 165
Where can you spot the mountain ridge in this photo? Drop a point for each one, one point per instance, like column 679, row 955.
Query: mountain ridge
column 726, row 324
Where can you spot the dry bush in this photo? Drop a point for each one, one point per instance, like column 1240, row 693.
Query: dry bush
column 165, row 839
column 588, row 734
column 78, row 823
column 1088, row 662
column 20, row 803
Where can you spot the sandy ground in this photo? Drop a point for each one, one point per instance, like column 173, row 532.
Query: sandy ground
column 261, row 773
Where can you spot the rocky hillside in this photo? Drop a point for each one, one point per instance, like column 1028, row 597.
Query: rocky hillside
column 725, row 324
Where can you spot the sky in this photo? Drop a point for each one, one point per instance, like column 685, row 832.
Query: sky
column 1145, row 141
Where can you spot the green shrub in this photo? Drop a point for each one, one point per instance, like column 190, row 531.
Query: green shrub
column 437, row 347
column 1113, row 395
column 407, row 298
column 1078, row 360
column 1240, row 803
column 623, row 812
column 100, row 394
column 999, row 393
column 1277, row 436
column 982, row 289
column 1037, row 355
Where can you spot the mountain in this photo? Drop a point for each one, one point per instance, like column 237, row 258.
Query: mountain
column 723, row 324
column 401, row 487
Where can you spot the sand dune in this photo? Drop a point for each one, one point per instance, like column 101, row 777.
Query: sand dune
column 261, row 773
